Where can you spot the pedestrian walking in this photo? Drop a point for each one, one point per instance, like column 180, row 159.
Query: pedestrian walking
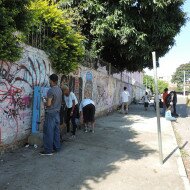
column 188, row 105
column 146, row 101
column 51, row 131
column 87, row 114
column 125, row 100
column 165, row 94
column 72, row 110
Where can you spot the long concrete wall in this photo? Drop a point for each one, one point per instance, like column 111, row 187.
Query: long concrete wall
column 17, row 81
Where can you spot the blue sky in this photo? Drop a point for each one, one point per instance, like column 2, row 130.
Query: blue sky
column 180, row 53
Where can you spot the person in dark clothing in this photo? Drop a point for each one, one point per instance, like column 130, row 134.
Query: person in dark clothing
column 174, row 113
column 72, row 109
column 51, row 130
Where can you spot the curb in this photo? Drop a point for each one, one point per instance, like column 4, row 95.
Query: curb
column 181, row 167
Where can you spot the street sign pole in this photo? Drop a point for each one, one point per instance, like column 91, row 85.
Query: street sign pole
column 184, row 84
column 157, row 108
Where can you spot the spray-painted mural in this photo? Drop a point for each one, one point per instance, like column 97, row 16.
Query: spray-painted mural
column 16, row 90
column 17, row 81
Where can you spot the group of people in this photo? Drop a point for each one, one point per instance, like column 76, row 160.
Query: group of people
column 169, row 105
column 56, row 97
column 168, row 102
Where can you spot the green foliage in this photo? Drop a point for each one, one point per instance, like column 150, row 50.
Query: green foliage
column 125, row 32
column 148, row 81
column 178, row 77
column 63, row 44
column 161, row 86
column 14, row 17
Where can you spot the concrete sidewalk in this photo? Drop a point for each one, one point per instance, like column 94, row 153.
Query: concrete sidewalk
column 122, row 155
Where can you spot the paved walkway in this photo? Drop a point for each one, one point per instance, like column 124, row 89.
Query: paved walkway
column 121, row 155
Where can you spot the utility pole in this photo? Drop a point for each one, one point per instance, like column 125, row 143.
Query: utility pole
column 184, row 84
column 157, row 108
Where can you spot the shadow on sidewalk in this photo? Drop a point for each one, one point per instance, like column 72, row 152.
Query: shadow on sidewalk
column 89, row 159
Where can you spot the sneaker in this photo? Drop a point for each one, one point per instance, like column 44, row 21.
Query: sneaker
column 72, row 137
column 86, row 130
column 43, row 153
column 91, row 131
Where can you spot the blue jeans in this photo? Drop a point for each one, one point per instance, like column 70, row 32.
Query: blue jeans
column 51, row 132
column 164, row 110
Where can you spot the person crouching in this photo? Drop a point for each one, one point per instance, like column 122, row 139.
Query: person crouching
column 72, row 112
column 87, row 114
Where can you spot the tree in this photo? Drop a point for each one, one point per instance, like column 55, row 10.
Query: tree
column 125, row 32
column 14, row 17
column 148, row 81
column 63, row 44
column 178, row 76
column 161, row 86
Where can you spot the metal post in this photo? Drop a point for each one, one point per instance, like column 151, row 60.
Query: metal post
column 184, row 84
column 157, row 108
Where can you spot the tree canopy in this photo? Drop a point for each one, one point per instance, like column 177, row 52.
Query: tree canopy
column 125, row 32
column 63, row 44
column 14, row 17
column 178, row 76
column 121, row 32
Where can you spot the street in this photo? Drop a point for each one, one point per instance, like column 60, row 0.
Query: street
column 122, row 154
column 182, row 129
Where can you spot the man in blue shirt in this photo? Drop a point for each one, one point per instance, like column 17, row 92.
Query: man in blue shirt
column 51, row 131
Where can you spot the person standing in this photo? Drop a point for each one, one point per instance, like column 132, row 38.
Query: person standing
column 87, row 114
column 174, row 103
column 146, row 101
column 51, row 131
column 125, row 100
column 164, row 96
column 72, row 109
column 188, row 105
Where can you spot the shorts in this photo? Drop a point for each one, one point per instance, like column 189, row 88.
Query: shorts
column 146, row 104
column 89, row 113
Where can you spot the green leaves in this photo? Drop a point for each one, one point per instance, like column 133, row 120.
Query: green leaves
column 148, row 81
column 178, row 77
column 14, row 17
column 125, row 32
column 63, row 44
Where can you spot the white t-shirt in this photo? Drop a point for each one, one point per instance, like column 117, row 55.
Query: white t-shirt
column 125, row 96
column 85, row 102
column 146, row 99
column 69, row 100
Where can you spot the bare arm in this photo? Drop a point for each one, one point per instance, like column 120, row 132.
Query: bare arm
column 49, row 102
column 73, row 107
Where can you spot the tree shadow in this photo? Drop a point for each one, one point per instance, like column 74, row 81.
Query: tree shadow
column 91, row 157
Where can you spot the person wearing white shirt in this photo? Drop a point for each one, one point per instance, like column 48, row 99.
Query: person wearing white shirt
column 125, row 100
column 146, row 101
column 87, row 113
column 72, row 109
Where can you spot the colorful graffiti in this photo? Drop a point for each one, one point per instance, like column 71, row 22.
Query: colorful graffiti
column 16, row 90
column 75, row 83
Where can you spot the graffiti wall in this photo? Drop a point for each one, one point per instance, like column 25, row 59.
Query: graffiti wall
column 17, row 81
column 105, row 90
